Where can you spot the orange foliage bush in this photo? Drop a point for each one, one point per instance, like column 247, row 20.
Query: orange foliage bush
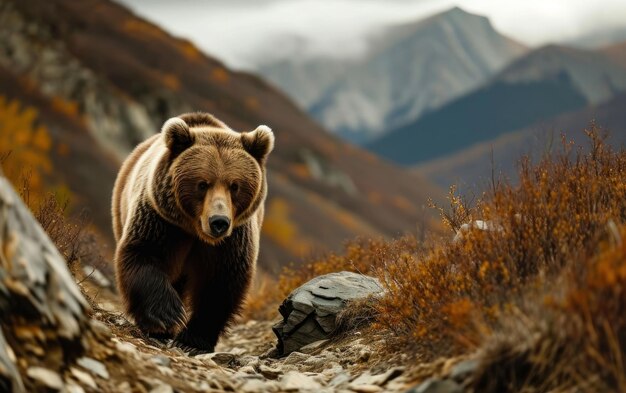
column 25, row 144
column 449, row 297
column 220, row 74
column 279, row 227
column 360, row 255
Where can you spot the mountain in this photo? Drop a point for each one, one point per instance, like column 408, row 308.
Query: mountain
column 409, row 69
column 470, row 168
column 617, row 53
column 303, row 76
column 546, row 82
column 598, row 39
column 84, row 82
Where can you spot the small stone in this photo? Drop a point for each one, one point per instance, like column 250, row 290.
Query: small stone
column 71, row 388
column 83, row 377
column 247, row 370
column 46, row 377
column 127, row 347
column 237, row 351
column 269, row 372
column 94, row 366
column 332, row 371
column 249, row 360
column 339, row 379
column 364, row 355
column 316, row 362
column 463, row 370
column 295, row 358
column 365, row 388
column 437, row 386
column 256, row 385
column 221, row 358
column 166, row 371
column 161, row 360
column 162, row 389
column 382, row 379
column 294, row 380
column 99, row 327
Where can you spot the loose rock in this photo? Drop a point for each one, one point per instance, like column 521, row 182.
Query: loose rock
column 437, row 386
column 294, row 380
column 46, row 377
column 161, row 360
column 37, row 291
column 221, row 358
column 296, row 358
column 162, row 389
column 310, row 311
column 365, row 388
column 83, row 377
column 269, row 372
column 94, row 366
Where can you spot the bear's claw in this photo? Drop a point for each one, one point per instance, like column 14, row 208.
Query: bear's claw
column 163, row 319
column 193, row 344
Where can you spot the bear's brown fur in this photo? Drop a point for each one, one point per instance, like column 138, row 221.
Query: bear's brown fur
column 187, row 212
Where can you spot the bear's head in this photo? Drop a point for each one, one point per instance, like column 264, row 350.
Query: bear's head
column 217, row 175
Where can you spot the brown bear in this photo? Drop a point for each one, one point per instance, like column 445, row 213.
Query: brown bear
column 187, row 213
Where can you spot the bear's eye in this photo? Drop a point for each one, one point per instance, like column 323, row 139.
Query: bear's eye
column 203, row 186
column 234, row 187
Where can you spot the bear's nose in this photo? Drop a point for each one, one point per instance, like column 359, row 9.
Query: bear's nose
column 219, row 225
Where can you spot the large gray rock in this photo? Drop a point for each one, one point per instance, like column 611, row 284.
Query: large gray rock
column 310, row 311
column 42, row 312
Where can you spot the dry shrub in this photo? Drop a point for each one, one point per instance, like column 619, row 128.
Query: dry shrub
column 569, row 337
column 359, row 256
column 69, row 232
column 449, row 298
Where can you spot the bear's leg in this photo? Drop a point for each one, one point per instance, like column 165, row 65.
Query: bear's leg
column 150, row 297
column 215, row 298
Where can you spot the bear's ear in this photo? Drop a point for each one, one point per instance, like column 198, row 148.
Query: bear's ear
column 177, row 135
column 259, row 143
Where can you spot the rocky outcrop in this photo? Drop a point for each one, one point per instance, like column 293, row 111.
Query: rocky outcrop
column 116, row 120
column 310, row 311
column 42, row 312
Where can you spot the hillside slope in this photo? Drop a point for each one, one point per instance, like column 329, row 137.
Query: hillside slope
column 470, row 168
column 617, row 53
column 409, row 69
column 545, row 83
column 121, row 77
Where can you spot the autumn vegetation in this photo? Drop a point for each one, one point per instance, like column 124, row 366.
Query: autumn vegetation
column 25, row 161
column 537, row 293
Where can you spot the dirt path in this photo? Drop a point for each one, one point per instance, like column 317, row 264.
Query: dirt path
column 121, row 360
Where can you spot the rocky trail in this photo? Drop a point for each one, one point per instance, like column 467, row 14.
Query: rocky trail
column 245, row 361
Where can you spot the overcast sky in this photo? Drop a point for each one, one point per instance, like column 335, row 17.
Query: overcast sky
column 244, row 32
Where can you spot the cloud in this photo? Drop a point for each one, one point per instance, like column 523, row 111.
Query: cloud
column 244, row 33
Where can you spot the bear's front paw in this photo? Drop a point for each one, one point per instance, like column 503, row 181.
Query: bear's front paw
column 164, row 318
column 193, row 344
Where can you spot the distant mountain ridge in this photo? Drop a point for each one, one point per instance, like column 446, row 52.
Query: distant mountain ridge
column 470, row 168
column 544, row 83
column 409, row 69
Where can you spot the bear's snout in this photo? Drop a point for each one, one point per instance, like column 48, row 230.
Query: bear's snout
column 219, row 225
